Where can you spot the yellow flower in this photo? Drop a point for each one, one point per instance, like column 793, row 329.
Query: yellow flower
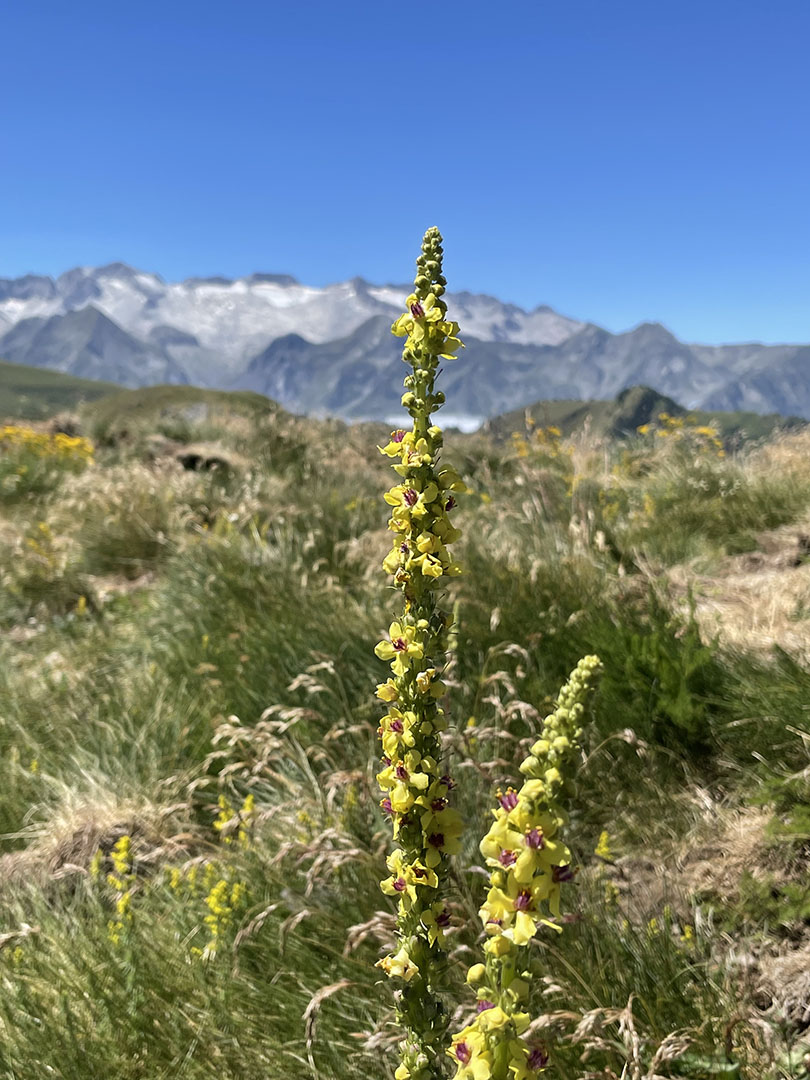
column 399, row 965
column 514, row 911
column 396, row 730
column 410, row 501
column 502, row 844
column 406, row 878
column 431, row 566
column 435, row 920
column 401, row 649
column 387, row 691
column 399, row 443
column 404, row 779
column 121, row 856
column 538, row 855
column 417, row 319
column 602, row 849
column 469, row 1052
column 441, row 832
column 427, row 683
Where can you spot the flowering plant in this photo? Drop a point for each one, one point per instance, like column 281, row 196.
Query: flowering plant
column 528, row 864
column 528, row 860
column 415, row 785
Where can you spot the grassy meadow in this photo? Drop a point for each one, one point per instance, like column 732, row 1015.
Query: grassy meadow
column 191, row 832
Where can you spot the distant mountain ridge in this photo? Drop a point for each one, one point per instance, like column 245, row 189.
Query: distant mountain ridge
column 329, row 350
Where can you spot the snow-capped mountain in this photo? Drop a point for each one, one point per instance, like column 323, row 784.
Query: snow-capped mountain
column 329, row 349
column 231, row 321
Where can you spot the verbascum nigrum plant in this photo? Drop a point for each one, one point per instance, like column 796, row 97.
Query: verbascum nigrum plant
column 415, row 785
column 529, row 863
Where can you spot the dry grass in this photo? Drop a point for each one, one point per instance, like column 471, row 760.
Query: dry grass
column 759, row 599
column 62, row 839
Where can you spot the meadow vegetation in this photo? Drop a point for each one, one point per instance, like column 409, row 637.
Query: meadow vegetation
column 192, row 835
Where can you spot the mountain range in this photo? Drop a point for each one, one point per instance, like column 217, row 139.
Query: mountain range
column 330, row 351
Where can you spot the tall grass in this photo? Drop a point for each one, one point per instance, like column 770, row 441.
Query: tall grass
column 222, row 647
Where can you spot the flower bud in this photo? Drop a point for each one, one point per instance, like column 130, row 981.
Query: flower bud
column 476, row 974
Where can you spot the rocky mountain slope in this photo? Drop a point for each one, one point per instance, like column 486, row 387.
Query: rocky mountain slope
column 329, row 350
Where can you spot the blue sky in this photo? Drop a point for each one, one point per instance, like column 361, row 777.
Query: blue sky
column 620, row 161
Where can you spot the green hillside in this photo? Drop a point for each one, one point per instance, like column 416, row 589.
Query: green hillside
column 31, row 393
column 172, row 410
column 631, row 409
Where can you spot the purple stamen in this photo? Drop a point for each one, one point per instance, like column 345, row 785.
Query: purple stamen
column 404, row 549
column 396, row 726
column 417, row 310
column 448, row 782
column 510, row 800
column 523, row 900
column 535, row 839
column 418, row 872
column 438, row 805
column 561, row 873
column 410, row 496
column 401, row 773
column 482, row 1006
column 387, row 807
column 451, row 503
column 436, row 839
column 400, row 644
column 400, row 884
column 397, row 436
column 443, row 919
column 463, row 1053
column 507, row 858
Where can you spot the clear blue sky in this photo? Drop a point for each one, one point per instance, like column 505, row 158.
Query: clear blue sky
column 621, row 161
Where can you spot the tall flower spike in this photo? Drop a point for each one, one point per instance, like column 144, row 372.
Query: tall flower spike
column 528, row 864
column 416, row 790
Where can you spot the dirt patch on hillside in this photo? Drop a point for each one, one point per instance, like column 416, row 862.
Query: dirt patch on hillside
column 701, row 878
column 759, row 599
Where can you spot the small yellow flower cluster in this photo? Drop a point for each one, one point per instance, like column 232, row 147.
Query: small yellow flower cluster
column 122, row 880
column 415, row 787
column 685, row 430
column 34, row 461
column 528, row 863
column 224, row 902
column 233, row 825
column 224, row 898
column 602, row 849
column 194, row 879
column 43, row 444
column 544, row 441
